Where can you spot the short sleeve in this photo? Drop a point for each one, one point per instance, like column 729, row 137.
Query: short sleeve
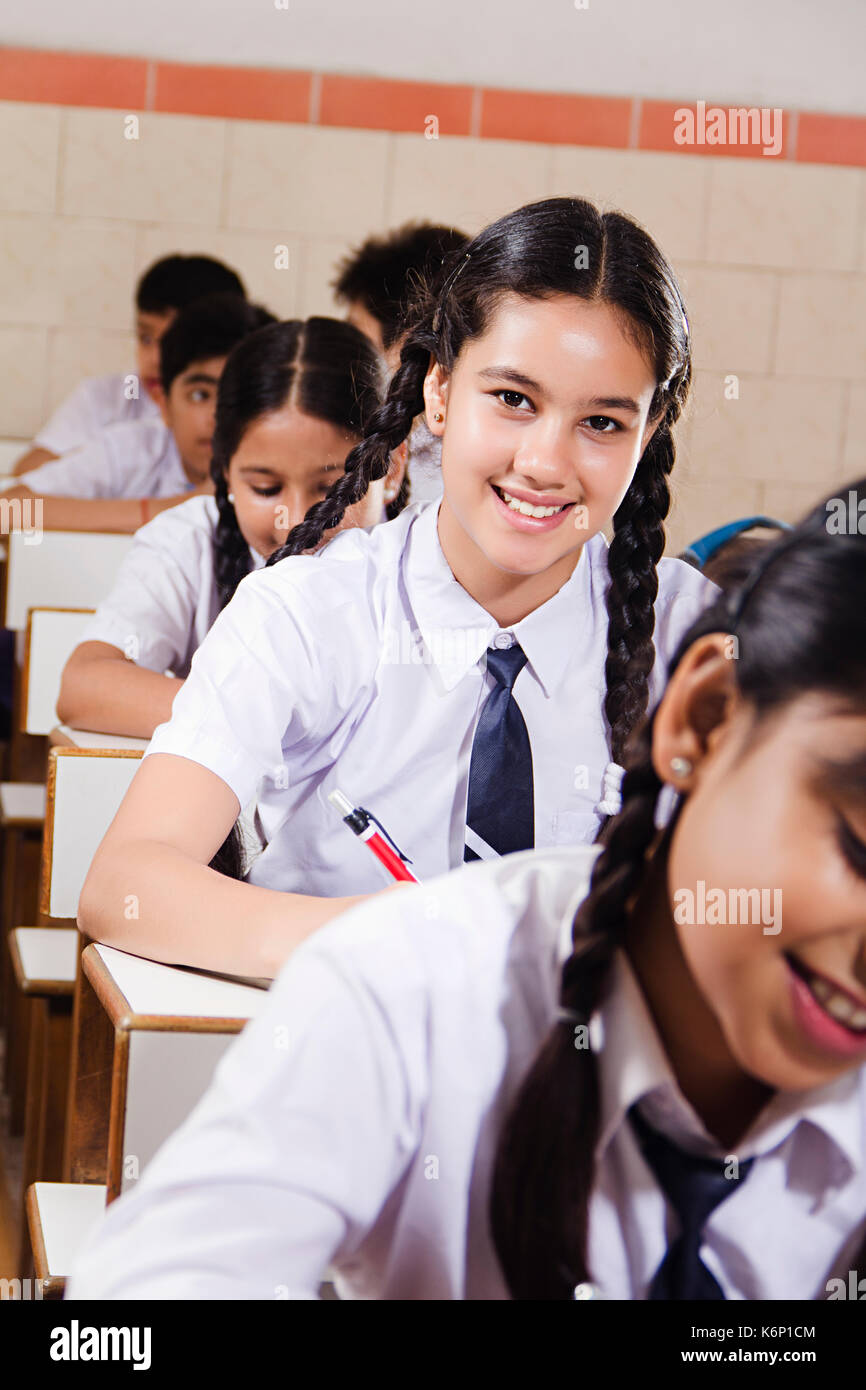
column 283, row 1166
column 85, row 472
column 150, row 613
column 74, row 420
column 684, row 593
column 263, row 680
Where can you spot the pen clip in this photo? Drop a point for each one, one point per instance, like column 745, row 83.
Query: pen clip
column 395, row 847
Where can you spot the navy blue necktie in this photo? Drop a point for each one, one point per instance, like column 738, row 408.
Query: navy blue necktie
column 694, row 1186
column 500, row 808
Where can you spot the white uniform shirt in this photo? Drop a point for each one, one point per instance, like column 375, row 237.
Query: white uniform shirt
column 136, row 459
column 361, row 669
column 164, row 598
column 96, row 402
column 354, row 1123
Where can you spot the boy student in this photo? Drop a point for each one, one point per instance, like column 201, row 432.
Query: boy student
column 377, row 282
column 129, row 472
column 171, row 284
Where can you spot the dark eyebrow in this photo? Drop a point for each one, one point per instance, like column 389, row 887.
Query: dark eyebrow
column 846, row 777
column 200, row 379
column 527, row 382
column 273, row 473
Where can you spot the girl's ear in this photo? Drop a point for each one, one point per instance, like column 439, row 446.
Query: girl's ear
column 435, row 399
column 158, row 394
column 696, row 710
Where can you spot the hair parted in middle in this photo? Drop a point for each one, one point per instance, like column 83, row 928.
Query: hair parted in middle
column 553, row 247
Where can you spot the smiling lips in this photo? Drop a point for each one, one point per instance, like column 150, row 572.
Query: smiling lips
column 837, row 1002
column 527, row 506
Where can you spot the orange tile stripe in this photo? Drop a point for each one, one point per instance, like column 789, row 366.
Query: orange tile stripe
column 370, row 103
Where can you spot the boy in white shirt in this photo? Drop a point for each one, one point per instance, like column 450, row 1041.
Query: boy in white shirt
column 377, row 283
column 170, row 285
column 129, row 472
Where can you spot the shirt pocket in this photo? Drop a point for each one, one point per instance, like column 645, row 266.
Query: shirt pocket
column 574, row 827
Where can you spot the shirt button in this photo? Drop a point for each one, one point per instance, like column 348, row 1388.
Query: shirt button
column 503, row 640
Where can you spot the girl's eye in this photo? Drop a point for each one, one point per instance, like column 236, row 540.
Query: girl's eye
column 515, row 396
column 852, row 847
column 603, row 424
column 267, row 491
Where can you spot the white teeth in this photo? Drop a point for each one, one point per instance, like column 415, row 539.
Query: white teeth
column 526, row 508
column 837, row 1005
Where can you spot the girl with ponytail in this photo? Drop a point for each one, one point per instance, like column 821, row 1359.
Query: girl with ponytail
column 553, row 364
column 633, row 1072
column 293, row 399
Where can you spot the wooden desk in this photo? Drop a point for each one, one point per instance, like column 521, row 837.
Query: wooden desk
column 65, row 737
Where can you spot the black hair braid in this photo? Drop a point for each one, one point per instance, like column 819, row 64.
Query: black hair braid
column 396, row 505
column 231, row 554
column 545, row 1165
column 635, row 550
column 369, row 460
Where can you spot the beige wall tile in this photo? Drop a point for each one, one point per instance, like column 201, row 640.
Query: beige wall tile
column 802, row 216
column 29, row 142
column 792, row 502
column 667, row 193
column 23, row 353
column 76, row 353
column 732, row 316
column 778, row 430
column 62, row 270
column 854, row 455
column 172, row 173
column 700, row 505
column 251, row 254
column 306, row 180
column 822, row 326
column 319, row 257
column 464, row 182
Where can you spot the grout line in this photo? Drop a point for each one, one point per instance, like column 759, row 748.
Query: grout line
column 775, row 316
column 315, row 109
column 634, row 124
column 475, row 113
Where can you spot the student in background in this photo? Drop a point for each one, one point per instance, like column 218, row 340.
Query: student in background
column 128, row 473
column 171, row 284
column 378, row 282
column 384, row 666
column 727, row 553
column 293, row 399
column 542, row 1078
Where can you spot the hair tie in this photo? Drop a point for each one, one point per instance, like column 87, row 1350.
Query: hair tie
column 437, row 317
column 611, row 790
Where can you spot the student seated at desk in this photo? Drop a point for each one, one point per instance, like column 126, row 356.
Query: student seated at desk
column 293, row 399
column 171, row 284
column 727, row 553
column 557, row 1076
column 383, row 666
column 128, row 473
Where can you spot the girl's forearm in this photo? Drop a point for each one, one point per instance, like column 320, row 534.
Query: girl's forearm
column 117, row 514
column 114, row 696
column 152, row 900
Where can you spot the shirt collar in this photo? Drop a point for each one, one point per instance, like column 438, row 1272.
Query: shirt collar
column 456, row 631
column 633, row 1065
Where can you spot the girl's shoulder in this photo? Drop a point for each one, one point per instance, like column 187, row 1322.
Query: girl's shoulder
column 194, row 521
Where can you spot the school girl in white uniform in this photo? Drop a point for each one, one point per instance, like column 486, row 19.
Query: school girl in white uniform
column 293, row 399
column 520, row 1082
column 367, row 668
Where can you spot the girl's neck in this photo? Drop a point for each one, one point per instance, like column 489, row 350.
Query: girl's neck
column 726, row 1098
column 506, row 597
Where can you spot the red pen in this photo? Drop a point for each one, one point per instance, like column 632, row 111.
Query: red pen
column 364, row 824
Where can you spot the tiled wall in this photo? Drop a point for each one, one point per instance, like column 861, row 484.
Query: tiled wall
column 772, row 256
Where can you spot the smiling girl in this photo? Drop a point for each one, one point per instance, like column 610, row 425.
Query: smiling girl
column 469, row 672
column 532, row 1074
column 293, row 399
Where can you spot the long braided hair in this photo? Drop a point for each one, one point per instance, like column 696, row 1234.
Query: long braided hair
column 328, row 368
column 556, row 246
column 800, row 621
